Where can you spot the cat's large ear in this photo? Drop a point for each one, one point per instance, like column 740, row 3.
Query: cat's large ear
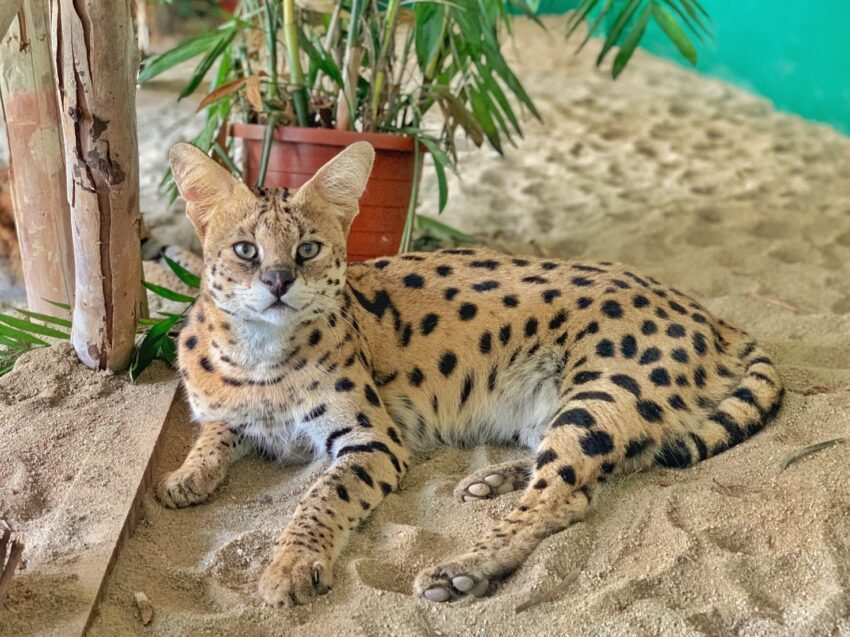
column 202, row 182
column 342, row 181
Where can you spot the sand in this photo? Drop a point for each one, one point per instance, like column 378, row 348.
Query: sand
column 706, row 188
column 74, row 445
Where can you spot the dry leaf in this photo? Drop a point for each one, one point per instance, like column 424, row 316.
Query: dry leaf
column 805, row 451
column 252, row 92
column 786, row 306
column 222, row 91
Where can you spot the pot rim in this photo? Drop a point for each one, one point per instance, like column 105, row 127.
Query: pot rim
column 323, row 136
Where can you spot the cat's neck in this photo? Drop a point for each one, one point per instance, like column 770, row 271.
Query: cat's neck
column 252, row 344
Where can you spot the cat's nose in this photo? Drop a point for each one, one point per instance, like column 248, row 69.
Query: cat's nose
column 278, row 281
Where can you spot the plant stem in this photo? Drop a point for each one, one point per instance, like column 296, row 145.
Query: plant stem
column 271, row 41
column 347, row 106
column 407, row 235
column 290, row 34
column 381, row 62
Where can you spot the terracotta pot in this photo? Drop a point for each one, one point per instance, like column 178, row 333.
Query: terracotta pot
column 296, row 155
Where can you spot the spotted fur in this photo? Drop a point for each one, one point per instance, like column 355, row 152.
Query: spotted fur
column 593, row 366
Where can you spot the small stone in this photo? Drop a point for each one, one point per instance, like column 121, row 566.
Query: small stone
column 145, row 608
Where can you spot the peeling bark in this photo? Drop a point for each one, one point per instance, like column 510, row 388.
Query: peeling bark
column 40, row 204
column 96, row 60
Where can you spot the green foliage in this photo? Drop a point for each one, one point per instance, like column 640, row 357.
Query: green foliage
column 30, row 330
column 625, row 22
column 157, row 335
column 424, row 68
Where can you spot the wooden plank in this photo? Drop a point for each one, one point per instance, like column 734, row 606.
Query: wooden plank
column 8, row 9
column 39, row 201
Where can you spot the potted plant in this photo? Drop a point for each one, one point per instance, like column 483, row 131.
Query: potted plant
column 296, row 82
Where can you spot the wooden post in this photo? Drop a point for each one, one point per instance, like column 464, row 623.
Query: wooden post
column 96, row 64
column 39, row 201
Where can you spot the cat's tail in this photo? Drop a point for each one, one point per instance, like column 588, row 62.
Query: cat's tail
column 750, row 405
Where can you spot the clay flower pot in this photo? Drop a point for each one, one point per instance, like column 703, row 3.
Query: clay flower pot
column 297, row 153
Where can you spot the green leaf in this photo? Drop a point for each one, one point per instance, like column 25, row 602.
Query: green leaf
column 150, row 347
column 18, row 335
column 627, row 48
column 63, row 306
column 619, row 24
column 669, row 25
column 33, row 328
column 47, row 318
column 165, row 293
column 192, row 47
column 430, row 224
column 439, row 162
column 429, row 31
column 206, row 64
column 482, row 114
column 168, row 350
column 190, row 279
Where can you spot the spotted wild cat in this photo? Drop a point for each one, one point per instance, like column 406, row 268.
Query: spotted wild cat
column 596, row 368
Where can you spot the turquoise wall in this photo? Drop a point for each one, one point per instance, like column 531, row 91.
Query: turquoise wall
column 794, row 52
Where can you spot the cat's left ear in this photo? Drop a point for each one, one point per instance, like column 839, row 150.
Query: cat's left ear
column 342, row 181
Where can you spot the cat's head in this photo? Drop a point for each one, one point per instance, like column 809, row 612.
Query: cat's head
column 272, row 257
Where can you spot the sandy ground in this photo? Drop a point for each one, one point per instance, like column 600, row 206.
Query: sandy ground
column 708, row 189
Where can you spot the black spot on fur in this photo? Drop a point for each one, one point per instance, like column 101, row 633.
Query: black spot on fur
column 545, row 457
column 676, row 402
column 429, row 323
column 520, row 262
column 371, row 395
column 674, row 330
column 467, row 312
column 540, row 484
column 329, row 442
column 444, row 270
column 450, row 293
column 700, row 343
column 413, row 281
column 578, row 417
column 468, row 384
column 660, row 377
column 485, row 343
column 628, row 346
column 488, row 264
column 640, row 301
column 605, row 348
column 344, row 384
column 550, row 295
column 191, row 342
column 674, row 454
column 505, row 334
column 649, row 410
column 676, row 307
column 679, row 355
column 648, row 327
column 596, row 443
column 637, row 447
column 650, row 355
column 699, row 376
column 594, row 395
column 510, row 300
column 206, row 364
column 485, row 286
column 416, row 377
column 314, row 413
column 315, row 337
column 447, row 364
column 583, row 302
column 386, row 489
column 612, row 309
column 342, row 492
column 381, row 264
column 567, row 474
column 363, row 475
column 531, row 327
column 538, row 280
column 581, row 281
column 393, row 434
column 585, row 377
column 626, row 382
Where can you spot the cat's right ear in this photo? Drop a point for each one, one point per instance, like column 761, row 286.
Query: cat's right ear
column 202, row 183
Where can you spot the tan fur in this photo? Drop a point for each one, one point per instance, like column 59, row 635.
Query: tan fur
column 593, row 366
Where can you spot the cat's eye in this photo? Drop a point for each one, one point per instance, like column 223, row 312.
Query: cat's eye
column 245, row 250
column 309, row 249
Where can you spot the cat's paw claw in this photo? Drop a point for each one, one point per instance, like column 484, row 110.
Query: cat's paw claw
column 180, row 489
column 293, row 578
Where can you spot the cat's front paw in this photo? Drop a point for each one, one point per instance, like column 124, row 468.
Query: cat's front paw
column 295, row 576
column 183, row 488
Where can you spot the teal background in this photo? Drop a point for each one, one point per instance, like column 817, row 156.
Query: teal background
column 794, row 52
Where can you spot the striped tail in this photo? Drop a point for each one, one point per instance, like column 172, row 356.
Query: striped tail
column 748, row 407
